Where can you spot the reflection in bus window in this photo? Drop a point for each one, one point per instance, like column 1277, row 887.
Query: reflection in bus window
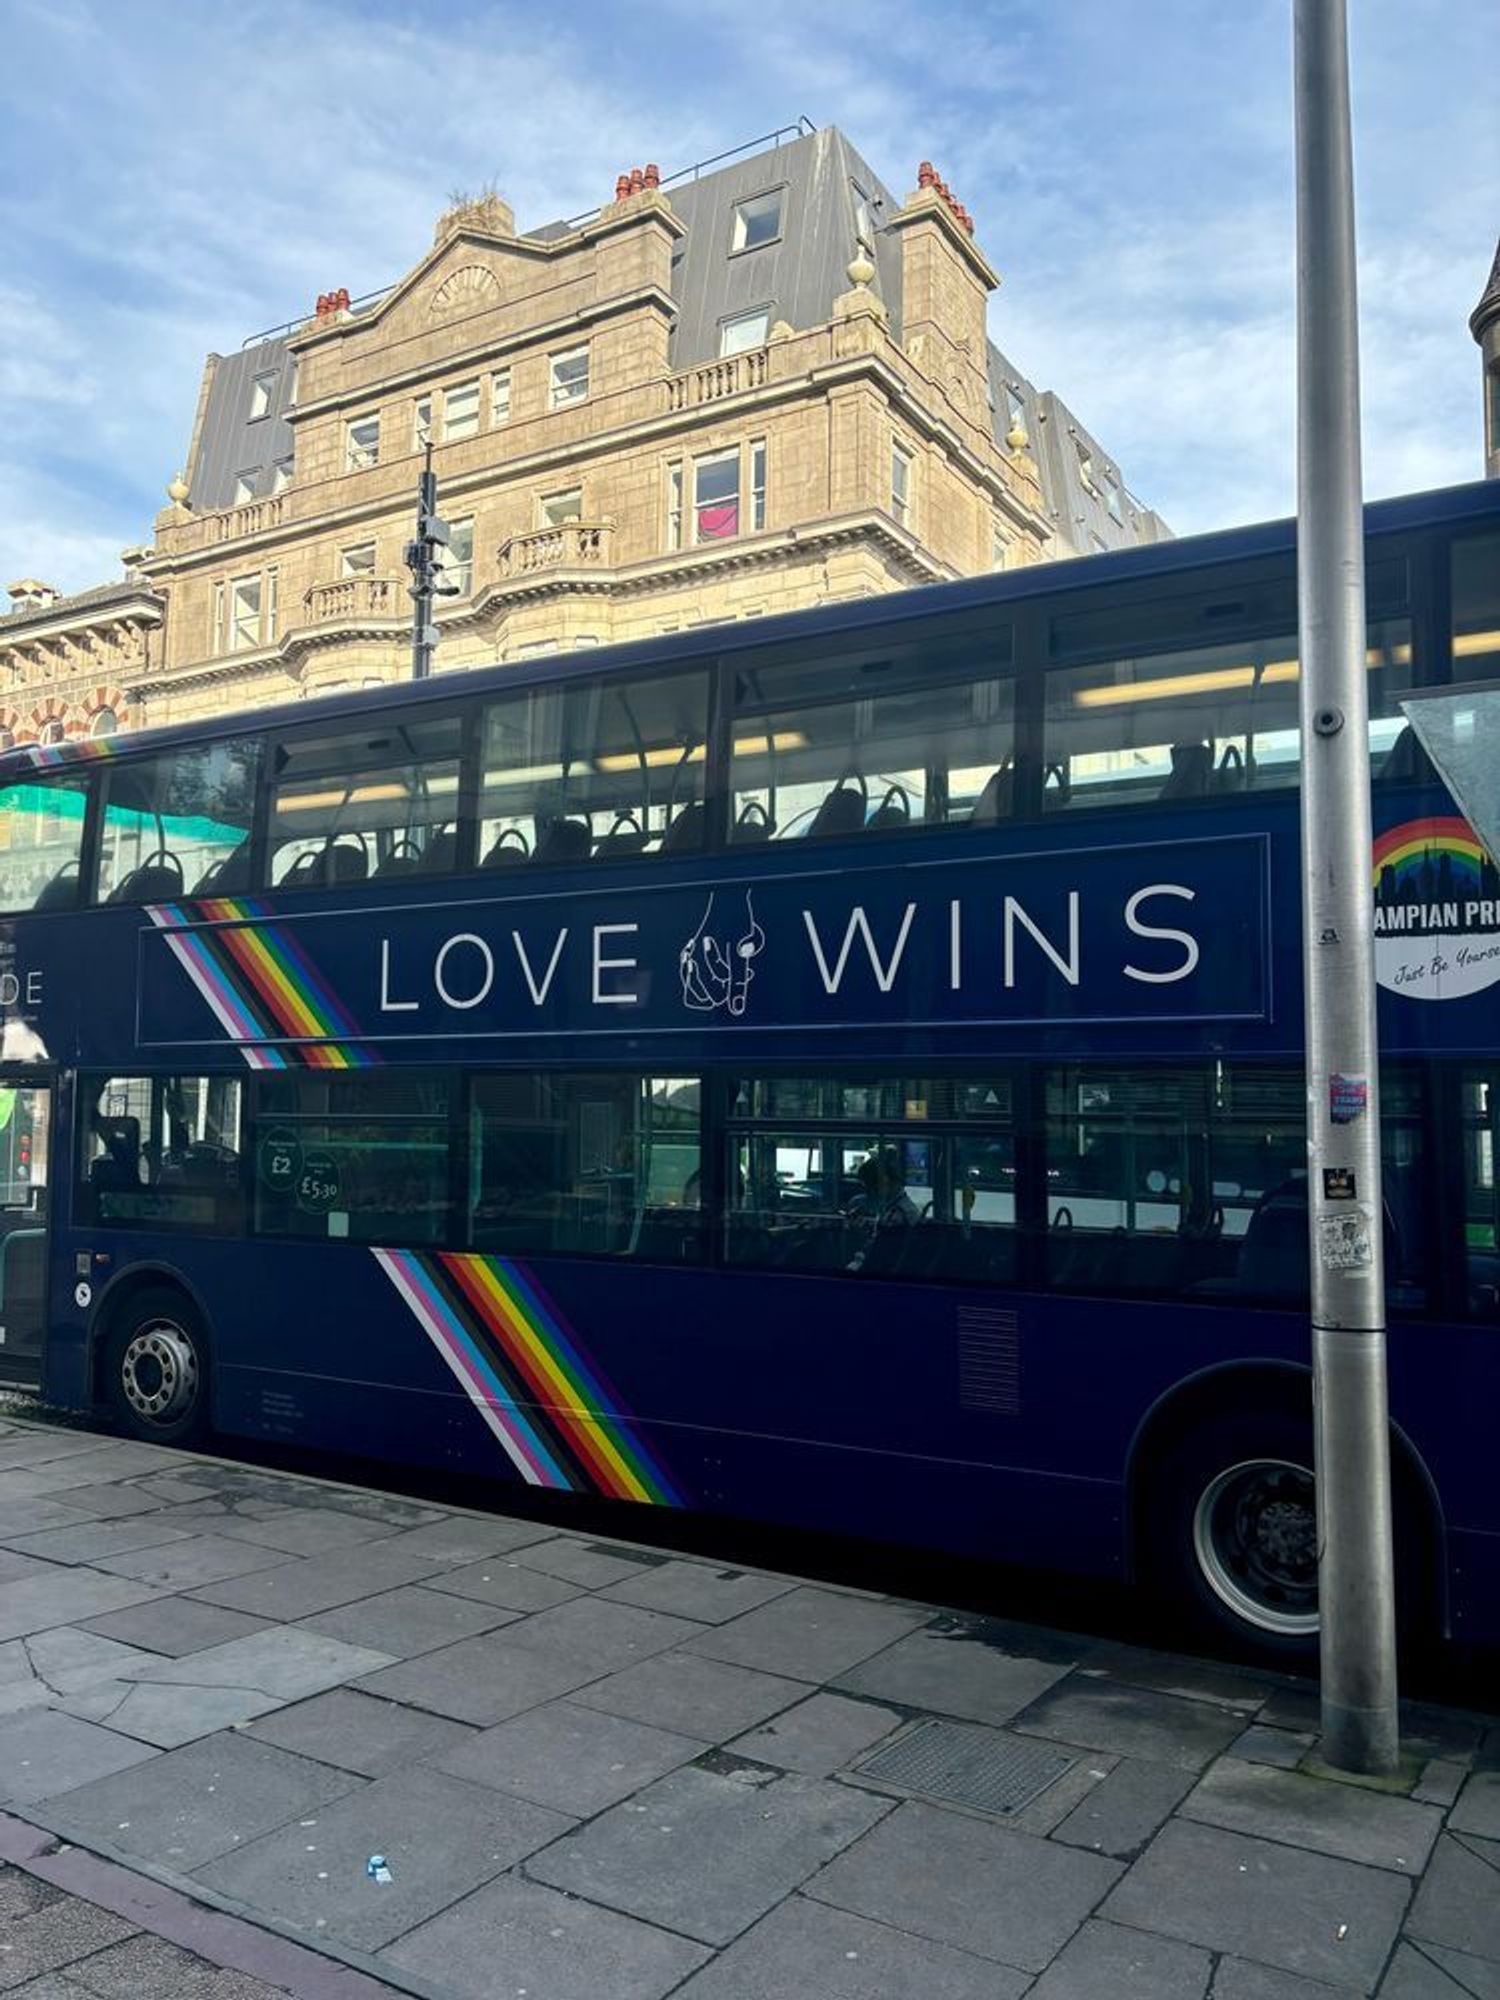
column 825, row 748
column 1476, row 608
column 161, row 1152
column 586, row 771
column 1481, row 1124
column 1198, row 724
column 601, row 1165
column 357, row 1158
column 912, row 1179
column 376, row 803
column 41, row 839
column 178, row 824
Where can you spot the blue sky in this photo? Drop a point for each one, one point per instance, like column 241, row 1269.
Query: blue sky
column 174, row 177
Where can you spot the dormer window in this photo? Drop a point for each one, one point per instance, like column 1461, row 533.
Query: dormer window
column 244, row 488
column 262, row 389
column 756, row 221
column 745, row 331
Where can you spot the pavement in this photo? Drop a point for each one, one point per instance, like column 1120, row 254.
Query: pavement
column 265, row 1734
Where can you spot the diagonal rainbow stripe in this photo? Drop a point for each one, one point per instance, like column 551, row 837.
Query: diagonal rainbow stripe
column 260, row 985
column 520, row 1364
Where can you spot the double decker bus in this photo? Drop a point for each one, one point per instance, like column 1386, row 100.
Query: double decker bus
column 841, row 1070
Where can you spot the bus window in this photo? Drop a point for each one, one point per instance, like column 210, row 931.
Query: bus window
column 41, row 839
column 905, row 1179
column 378, row 802
column 161, row 1152
column 178, row 824
column 600, row 1165
column 1476, row 608
column 1481, row 1123
column 361, row 1158
column 1201, row 723
column 586, row 771
column 841, row 747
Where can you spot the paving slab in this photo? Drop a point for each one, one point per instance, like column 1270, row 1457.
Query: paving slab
column 808, row 1634
column 950, row 1669
column 41, row 1446
column 185, row 1807
column 44, row 1753
column 552, row 1947
column 1414, row 1976
column 359, row 1733
column 1103, row 1714
column 1442, row 1780
column 300, row 1585
column 440, row 1837
column 403, row 1623
column 65, row 1597
column 705, row 1853
column 176, row 1625
column 192, row 1561
column 1244, row 1688
column 26, row 1516
column 590, row 1564
column 14, row 1564
column 90, row 1540
column 1476, row 1978
column 963, row 1882
column 1257, row 1899
column 805, row 1949
column 1478, row 1807
column 705, row 1698
column 600, row 1635
column 1125, row 1809
column 466, row 1538
column 576, row 1760
column 481, row 1680
column 310, row 1531
column 68, row 1657
column 1107, row 1959
column 502, row 1581
column 699, row 1591
column 1458, row 1904
column 111, row 1501
column 1238, row 1979
column 168, row 1716
column 1320, row 1813
column 818, row 1736
column 287, row 1662
column 1285, row 1748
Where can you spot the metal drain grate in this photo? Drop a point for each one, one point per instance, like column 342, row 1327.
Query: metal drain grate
column 962, row 1764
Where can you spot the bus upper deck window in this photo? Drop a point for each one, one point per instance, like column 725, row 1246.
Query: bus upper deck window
column 41, row 820
column 178, row 824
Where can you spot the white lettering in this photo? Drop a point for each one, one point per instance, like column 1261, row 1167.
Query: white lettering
column 387, row 1004
column 955, row 944
column 1068, row 966
column 1184, row 938
column 539, row 993
column 33, row 989
column 487, row 978
column 885, row 975
column 603, row 965
column 10, row 989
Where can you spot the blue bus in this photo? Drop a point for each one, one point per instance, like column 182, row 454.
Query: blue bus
column 840, row 1070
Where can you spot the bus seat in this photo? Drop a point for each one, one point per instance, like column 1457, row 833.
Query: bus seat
column 158, row 880
column 61, row 892
column 508, row 850
column 405, row 858
column 1230, row 776
column 894, row 810
column 440, row 857
column 1406, row 761
column 753, row 825
column 228, row 876
column 842, row 811
column 997, row 800
column 625, row 836
column 685, row 834
column 344, row 861
column 1273, row 1257
column 1192, row 768
column 565, row 840
column 119, row 1165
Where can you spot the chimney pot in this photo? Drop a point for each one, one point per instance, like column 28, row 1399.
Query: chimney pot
column 622, row 186
column 653, row 176
column 926, row 175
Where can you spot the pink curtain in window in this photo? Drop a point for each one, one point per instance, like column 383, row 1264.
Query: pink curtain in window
column 715, row 523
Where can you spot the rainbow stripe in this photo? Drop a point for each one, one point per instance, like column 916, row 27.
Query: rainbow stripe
column 260, row 985
column 1419, row 840
column 78, row 750
column 520, row 1364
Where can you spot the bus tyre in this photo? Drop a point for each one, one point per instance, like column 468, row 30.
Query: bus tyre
column 156, row 1368
column 1231, row 1534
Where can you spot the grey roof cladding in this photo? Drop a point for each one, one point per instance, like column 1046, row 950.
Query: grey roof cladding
column 234, row 442
column 796, row 276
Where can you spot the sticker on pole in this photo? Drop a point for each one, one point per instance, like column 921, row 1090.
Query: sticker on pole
column 1344, row 1241
column 1437, row 911
column 1348, row 1098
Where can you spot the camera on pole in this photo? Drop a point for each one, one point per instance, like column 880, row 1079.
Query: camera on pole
column 423, row 558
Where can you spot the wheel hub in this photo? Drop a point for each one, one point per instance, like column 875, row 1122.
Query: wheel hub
column 1256, row 1540
column 159, row 1373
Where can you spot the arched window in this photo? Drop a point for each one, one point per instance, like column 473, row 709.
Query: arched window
column 52, row 731
column 7, row 739
column 104, row 722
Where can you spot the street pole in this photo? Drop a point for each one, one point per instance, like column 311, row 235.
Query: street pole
column 1352, row 1441
column 422, row 561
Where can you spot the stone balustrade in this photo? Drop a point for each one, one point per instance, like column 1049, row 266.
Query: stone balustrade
column 251, row 517
column 732, row 376
column 570, row 544
column 353, row 597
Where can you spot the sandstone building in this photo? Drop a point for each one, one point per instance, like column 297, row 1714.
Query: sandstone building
column 756, row 388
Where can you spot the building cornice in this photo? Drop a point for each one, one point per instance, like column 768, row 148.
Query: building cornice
column 140, row 608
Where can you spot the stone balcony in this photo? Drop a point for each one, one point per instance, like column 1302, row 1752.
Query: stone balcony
column 352, row 598
column 570, row 545
column 715, row 380
column 251, row 517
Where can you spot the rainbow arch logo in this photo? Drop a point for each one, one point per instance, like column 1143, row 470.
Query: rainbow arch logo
column 1437, row 910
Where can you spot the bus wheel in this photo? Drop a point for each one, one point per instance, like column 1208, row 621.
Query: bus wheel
column 1233, row 1538
column 156, row 1369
